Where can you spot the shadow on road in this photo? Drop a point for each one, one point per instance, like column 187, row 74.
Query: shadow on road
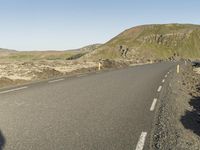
column 2, row 141
column 191, row 119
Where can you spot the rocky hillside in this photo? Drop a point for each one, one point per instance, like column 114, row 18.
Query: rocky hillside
column 150, row 42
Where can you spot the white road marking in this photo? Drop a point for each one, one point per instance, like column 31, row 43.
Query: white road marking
column 140, row 144
column 159, row 88
column 56, row 80
column 12, row 90
column 163, row 80
column 153, row 104
column 82, row 75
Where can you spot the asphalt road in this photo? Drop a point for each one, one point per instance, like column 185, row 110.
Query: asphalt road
column 105, row 111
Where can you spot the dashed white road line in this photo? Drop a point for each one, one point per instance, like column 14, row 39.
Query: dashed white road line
column 159, row 88
column 12, row 90
column 82, row 75
column 153, row 104
column 163, row 80
column 141, row 142
column 56, row 80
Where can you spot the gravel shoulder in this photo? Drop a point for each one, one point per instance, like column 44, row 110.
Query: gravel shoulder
column 177, row 123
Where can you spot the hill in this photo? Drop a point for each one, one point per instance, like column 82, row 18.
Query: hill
column 150, row 42
column 83, row 51
column 88, row 48
column 6, row 50
column 12, row 55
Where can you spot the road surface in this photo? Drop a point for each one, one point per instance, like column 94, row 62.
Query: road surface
column 106, row 111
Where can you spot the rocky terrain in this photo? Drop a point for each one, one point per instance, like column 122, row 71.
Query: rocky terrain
column 178, row 125
column 21, row 72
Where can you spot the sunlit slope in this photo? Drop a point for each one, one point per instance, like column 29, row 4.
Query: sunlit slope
column 152, row 42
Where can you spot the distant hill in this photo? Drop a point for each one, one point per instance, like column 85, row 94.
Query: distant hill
column 165, row 41
column 10, row 55
column 88, row 48
column 6, row 50
column 83, row 51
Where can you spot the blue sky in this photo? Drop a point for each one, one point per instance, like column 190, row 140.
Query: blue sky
column 68, row 24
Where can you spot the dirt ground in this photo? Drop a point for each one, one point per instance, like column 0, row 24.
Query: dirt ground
column 177, row 126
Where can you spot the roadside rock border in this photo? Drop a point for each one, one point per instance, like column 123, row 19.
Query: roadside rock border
column 176, row 125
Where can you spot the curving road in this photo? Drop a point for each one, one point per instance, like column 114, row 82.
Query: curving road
column 106, row 111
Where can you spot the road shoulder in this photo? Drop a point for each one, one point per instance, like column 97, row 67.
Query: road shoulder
column 176, row 125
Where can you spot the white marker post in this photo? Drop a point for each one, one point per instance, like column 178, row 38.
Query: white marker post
column 178, row 69
column 99, row 67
